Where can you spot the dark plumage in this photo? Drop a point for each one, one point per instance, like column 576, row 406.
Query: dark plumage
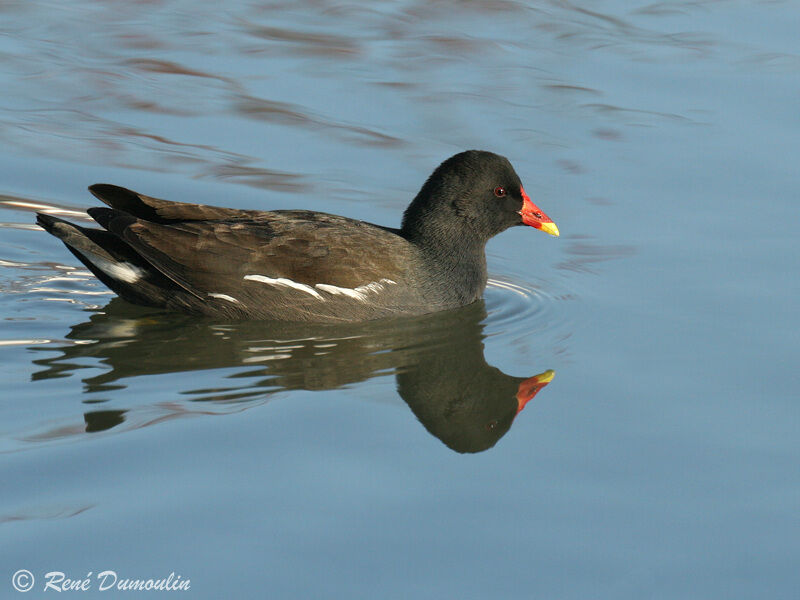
column 297, row 265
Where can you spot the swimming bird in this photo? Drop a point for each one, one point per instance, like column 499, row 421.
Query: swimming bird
column 301, row 265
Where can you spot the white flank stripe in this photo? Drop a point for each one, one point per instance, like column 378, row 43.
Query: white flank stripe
column 359, row 293
column 373, row 286
column 282, row 281
column 224, row 297
column 336, row 290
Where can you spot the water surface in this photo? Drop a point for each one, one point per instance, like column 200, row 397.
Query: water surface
column 392, row 459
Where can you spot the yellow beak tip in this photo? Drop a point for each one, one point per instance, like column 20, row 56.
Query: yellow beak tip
column 546, row 377
column 550, row 228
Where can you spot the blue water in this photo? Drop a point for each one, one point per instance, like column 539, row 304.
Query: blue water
column 387, row 460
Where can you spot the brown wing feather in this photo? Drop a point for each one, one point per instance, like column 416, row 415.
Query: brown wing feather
column 157, row 210
column 308, row 248
column 209, row 251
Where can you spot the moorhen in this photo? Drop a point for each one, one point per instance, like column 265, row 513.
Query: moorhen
column 300, row 265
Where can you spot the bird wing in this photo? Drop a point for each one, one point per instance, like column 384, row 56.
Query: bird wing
column 156, row 210
column 260, row 254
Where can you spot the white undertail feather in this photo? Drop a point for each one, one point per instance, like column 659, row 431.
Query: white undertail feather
column 122, row 271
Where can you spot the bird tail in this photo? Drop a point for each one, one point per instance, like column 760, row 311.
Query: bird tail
column 111, row 260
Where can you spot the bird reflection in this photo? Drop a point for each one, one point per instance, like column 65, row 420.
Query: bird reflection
column 437, row 361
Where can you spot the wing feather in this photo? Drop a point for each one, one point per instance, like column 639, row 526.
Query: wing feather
column 303, row 247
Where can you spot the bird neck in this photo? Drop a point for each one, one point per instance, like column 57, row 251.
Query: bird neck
column 455, row 260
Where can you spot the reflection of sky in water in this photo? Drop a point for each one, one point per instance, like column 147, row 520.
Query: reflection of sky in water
column 661, row 137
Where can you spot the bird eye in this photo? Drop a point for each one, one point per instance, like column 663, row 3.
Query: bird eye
column 538, row 215
column 499, row 191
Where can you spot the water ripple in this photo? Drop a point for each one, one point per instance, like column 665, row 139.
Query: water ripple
column 518, row 309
